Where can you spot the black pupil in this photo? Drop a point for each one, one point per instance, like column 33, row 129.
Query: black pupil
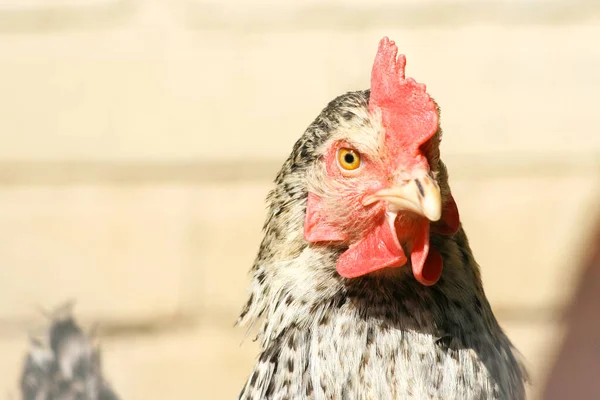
column 349, row 158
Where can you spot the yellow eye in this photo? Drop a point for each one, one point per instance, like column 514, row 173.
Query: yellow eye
column 348, row 159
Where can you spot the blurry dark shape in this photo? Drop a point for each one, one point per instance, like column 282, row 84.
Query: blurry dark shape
column 576, row 371
column 65, row 364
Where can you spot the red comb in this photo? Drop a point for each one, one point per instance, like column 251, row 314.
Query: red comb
column 409, row 115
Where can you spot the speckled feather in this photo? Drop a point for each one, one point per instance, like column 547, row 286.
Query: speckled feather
column 64, row 364
column 381, row 336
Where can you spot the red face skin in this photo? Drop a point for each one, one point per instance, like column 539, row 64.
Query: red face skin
column 377, row 236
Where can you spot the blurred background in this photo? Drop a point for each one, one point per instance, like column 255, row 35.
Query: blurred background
column 139, row 139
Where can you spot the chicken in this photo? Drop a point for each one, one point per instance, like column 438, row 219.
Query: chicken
column 66, row 366
column 365, row 282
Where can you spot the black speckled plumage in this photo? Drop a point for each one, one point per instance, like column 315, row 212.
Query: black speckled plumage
column 380, row 336
column 64, row 365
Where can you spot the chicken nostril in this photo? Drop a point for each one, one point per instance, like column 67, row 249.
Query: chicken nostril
column 420, row 186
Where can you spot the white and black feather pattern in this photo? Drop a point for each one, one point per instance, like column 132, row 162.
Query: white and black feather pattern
column 374, row 337
column 64, row 364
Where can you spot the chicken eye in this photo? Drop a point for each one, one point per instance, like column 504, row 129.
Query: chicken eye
column 348, row 159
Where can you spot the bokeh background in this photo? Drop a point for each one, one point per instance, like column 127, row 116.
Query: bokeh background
column 139, row 138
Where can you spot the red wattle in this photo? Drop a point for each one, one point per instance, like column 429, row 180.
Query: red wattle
column 419, row 248
column 432, row 270
column 450, row 222
column 378, row 249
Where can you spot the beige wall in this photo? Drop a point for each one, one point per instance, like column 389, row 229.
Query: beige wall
column 139, row 139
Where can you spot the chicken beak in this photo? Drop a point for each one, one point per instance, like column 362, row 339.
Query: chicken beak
column 419, row 195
